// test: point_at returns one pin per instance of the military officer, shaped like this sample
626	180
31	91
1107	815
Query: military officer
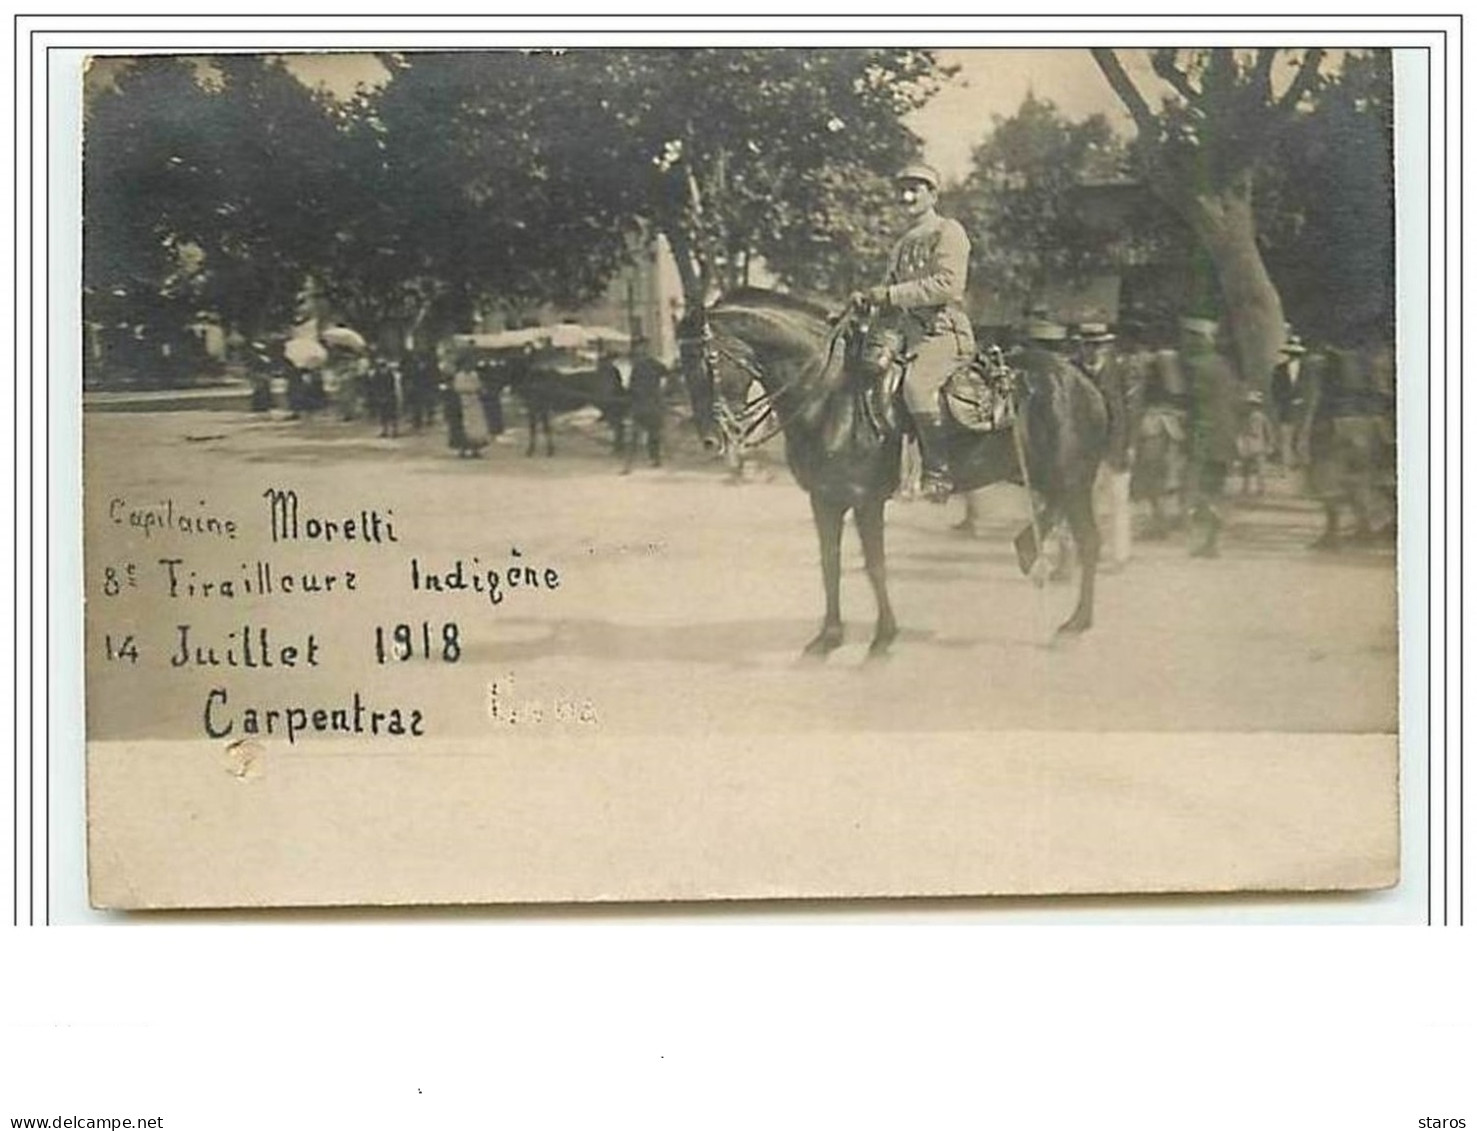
1215	402
925	291
1347	436
1159	443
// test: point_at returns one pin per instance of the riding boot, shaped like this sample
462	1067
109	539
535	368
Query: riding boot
937	487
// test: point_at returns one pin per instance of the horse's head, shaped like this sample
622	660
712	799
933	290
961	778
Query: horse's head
717	371
694	344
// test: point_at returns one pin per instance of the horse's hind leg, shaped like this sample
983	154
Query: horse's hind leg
828	518
1083	523
1027	550
870	525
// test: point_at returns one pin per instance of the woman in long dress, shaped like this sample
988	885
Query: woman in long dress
466	386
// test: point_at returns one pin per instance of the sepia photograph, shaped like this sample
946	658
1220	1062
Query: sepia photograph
608	474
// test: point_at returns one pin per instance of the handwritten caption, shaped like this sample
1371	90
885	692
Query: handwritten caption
175	564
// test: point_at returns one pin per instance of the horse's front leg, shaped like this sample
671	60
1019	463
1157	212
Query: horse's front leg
870	524
828	519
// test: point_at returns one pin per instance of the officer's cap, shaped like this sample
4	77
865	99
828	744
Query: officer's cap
1096	332
925	174
1293	346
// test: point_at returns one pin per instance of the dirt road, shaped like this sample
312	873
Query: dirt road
682	601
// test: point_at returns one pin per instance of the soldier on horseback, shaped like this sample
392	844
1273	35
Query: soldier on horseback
925	290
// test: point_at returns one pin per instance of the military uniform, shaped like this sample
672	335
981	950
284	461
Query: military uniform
924	292
1215	399
1159	441
925	284
1348	431
1215	410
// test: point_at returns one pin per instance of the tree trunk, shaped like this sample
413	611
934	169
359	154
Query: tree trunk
1226	227
689	270
413	332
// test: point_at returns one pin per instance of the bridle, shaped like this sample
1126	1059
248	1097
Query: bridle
755	421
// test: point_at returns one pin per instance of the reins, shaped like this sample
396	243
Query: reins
760	413
748	420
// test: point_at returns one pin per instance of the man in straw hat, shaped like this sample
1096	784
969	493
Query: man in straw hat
1215	402
1289	395
925	288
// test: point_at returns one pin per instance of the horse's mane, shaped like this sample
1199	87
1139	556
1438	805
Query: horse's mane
800	319
766	299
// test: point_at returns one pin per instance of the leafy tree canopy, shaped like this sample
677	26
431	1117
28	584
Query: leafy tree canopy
1020	200
208	183
757	152
1328	228
1204	151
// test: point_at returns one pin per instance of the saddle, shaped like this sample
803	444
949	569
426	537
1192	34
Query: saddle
981	396
875	360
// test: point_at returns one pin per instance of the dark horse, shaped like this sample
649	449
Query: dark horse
544	392
844	444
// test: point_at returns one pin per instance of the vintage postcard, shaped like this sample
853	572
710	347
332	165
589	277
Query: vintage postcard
623	474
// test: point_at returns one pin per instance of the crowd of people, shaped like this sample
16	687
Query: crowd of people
353	383
465	387
1187	433
1184	425
1183	421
